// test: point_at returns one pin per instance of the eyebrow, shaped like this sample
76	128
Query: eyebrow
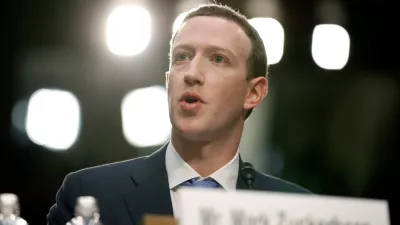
208	48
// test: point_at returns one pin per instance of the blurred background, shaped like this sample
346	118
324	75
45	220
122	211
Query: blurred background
86	87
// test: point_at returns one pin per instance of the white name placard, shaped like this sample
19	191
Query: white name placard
218	207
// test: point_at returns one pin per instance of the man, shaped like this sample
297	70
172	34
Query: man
217	76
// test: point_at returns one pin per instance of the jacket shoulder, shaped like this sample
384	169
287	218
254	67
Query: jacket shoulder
115	169
97	181
272	183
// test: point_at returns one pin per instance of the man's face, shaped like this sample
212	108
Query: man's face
207	84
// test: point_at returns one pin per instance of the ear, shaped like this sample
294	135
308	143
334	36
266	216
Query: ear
166	79
257	90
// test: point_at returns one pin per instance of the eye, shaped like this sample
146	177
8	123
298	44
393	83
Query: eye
219	59
180	57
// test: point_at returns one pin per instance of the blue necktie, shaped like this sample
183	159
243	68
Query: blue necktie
206	183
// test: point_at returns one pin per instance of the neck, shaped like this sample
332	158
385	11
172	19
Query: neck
207	156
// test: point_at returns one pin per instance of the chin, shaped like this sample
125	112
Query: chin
191	129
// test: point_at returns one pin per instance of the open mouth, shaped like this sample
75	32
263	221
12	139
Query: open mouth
191	100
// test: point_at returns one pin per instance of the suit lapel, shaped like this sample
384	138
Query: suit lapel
151	194
241	184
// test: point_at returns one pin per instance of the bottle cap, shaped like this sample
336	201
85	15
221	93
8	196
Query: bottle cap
9	204
86	206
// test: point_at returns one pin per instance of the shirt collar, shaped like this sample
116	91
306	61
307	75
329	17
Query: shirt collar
179	171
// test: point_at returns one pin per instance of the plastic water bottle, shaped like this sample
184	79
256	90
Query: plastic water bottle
9	210
86	212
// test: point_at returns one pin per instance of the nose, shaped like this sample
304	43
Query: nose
193	75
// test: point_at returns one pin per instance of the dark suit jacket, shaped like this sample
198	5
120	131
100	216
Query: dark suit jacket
128	190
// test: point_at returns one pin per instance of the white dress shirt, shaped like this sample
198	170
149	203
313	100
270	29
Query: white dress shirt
179	171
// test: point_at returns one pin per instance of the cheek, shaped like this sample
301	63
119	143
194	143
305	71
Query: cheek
231	94
170	90
172	83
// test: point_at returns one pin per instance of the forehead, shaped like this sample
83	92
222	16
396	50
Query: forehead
205	31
